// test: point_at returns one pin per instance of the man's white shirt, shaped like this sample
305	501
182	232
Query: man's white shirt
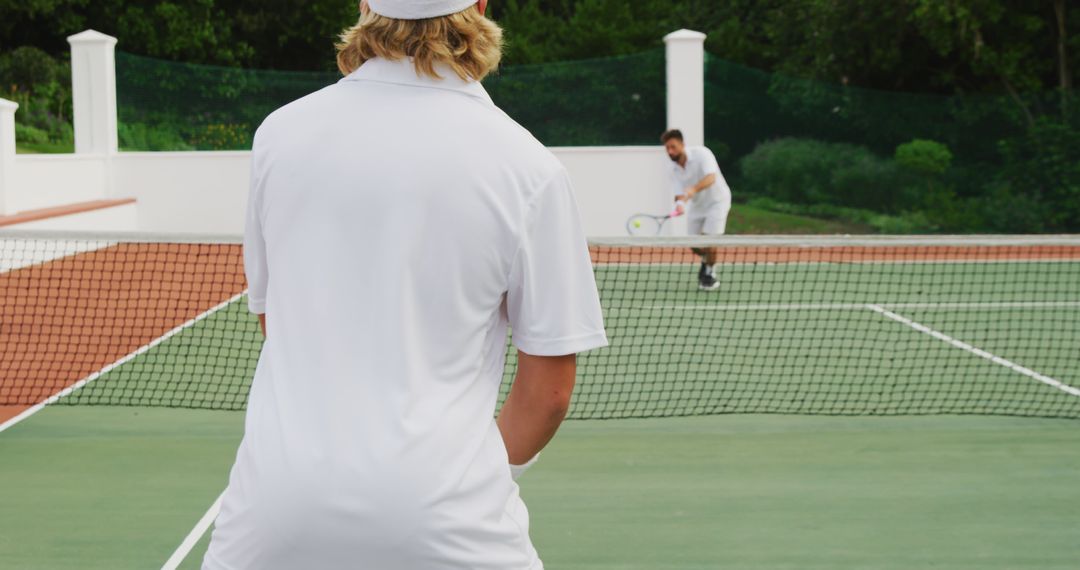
396	226
700	163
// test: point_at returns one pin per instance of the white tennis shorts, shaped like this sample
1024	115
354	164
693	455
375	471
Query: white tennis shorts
712	223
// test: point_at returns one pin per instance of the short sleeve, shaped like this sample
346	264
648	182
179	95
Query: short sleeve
255	246
552	301
708	162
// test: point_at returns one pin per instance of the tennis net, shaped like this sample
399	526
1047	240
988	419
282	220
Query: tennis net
826	325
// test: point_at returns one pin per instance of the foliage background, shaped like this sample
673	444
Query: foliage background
901	115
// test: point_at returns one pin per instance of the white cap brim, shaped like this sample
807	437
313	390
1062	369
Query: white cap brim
418	9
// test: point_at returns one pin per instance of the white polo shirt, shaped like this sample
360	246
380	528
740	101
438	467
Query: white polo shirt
700	163
396	226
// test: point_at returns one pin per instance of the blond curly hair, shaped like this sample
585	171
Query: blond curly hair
467	42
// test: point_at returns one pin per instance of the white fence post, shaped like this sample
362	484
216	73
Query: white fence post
686	84
7	151
93	92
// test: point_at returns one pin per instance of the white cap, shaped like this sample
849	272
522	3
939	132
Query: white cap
418	9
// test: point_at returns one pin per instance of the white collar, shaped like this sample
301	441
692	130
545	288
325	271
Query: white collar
402	72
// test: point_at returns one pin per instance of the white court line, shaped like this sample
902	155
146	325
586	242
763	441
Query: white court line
193	537
723	264
976	351
67	391
860	306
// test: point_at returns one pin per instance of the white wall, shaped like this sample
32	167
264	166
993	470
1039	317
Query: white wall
50	180
7	152
203	192
614	183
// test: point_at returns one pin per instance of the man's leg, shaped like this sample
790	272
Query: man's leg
713	224
694	227
705	263
697	227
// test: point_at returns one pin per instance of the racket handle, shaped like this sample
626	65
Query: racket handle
680	208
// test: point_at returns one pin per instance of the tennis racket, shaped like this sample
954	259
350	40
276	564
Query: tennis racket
649	224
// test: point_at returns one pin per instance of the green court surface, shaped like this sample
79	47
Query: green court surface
877	479
110	487
830	338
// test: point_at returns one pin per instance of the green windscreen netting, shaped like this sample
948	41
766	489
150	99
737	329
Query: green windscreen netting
896	162
745	106
876	161
175	106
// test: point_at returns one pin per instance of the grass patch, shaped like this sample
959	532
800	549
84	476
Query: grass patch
747	219
45	148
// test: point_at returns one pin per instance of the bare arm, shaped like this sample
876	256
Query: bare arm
537	404
262	323
701	185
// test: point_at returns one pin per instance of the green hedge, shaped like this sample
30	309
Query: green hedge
804	171
1035	188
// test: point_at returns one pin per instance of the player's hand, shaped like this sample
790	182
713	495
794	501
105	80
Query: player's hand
680	208
682	198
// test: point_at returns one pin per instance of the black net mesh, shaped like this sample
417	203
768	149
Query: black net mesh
828	326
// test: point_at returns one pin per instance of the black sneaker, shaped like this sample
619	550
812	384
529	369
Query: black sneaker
707	282
701	272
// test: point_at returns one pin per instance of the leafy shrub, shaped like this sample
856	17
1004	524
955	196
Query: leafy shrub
948	212
41	86
1044	165
29	134
804	171
1003	210
36	113
138	136
928	158
870	182
221	137
928	161
788	170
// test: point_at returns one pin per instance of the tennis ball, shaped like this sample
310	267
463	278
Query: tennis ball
637	224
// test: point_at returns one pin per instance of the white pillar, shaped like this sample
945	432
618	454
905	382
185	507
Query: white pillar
93	92
7	151
686	84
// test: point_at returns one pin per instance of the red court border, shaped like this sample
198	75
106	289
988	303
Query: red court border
63	320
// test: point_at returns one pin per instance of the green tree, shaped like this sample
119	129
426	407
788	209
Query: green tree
1044	165
42	87
991	43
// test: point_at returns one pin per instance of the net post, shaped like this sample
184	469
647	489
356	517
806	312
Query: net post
93	92
7	150
685	54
